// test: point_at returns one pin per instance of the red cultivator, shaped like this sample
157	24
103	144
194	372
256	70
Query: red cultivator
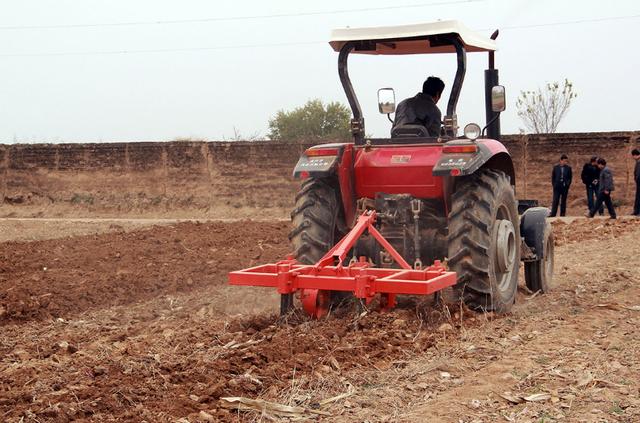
315	282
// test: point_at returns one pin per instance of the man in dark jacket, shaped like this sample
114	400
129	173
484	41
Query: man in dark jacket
561	181
590	175
605	188
422	109
636	177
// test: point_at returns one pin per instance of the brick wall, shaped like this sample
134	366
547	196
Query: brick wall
237	179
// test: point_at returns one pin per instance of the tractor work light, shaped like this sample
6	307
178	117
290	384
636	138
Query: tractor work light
460	149
472	131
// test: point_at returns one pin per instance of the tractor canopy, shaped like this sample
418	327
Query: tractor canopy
427	38
410	39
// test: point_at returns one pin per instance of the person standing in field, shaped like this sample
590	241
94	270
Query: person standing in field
636	177
561	181
590	175
605	188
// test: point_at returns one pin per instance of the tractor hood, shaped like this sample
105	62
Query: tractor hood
411	39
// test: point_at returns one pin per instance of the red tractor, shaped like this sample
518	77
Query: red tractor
371	213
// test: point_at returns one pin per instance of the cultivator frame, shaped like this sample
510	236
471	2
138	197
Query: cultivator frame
315	282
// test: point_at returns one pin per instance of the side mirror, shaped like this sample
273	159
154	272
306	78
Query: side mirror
498	98
386	100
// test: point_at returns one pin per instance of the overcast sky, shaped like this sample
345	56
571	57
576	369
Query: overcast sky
64	78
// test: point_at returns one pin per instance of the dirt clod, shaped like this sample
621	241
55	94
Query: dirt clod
98	371
206	417
445	327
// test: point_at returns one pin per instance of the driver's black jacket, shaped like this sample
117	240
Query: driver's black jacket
419	110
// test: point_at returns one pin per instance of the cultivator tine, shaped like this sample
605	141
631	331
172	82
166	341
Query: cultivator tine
360	306
286	304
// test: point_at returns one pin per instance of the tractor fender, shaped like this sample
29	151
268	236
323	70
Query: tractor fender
333	161
490	154
532	226
319	161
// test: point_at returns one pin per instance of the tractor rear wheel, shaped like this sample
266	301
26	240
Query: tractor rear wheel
538	274
316	228
484	240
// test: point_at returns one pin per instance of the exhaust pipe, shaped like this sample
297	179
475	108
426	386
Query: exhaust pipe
491	80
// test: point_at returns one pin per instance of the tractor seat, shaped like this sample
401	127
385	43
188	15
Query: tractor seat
409	131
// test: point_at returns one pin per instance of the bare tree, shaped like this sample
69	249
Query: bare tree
541	111
239	136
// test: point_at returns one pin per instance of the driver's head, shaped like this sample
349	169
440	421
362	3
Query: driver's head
433	86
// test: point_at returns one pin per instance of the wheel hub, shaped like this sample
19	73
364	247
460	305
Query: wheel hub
505	245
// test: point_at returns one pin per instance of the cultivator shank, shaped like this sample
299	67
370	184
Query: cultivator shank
315	282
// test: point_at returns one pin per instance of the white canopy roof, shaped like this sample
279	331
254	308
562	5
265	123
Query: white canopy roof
405	39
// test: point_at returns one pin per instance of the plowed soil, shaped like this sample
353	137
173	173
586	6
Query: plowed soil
141	326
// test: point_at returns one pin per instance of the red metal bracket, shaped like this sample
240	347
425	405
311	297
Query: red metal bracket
339	252
364	282
289	276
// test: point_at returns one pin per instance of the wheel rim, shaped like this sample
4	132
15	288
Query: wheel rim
504	238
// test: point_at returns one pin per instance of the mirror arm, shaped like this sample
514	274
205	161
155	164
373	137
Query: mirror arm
490	122
389	117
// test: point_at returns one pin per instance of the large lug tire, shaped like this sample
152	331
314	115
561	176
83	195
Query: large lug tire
314	220
539	274
315	229
484	240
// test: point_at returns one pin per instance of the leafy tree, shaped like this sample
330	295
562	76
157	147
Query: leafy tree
541	111
314	120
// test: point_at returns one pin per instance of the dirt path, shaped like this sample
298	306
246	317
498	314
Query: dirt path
141	326
34	229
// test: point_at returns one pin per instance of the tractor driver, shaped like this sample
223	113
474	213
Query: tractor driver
422	109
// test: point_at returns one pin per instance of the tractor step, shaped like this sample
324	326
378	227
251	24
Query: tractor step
315	282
